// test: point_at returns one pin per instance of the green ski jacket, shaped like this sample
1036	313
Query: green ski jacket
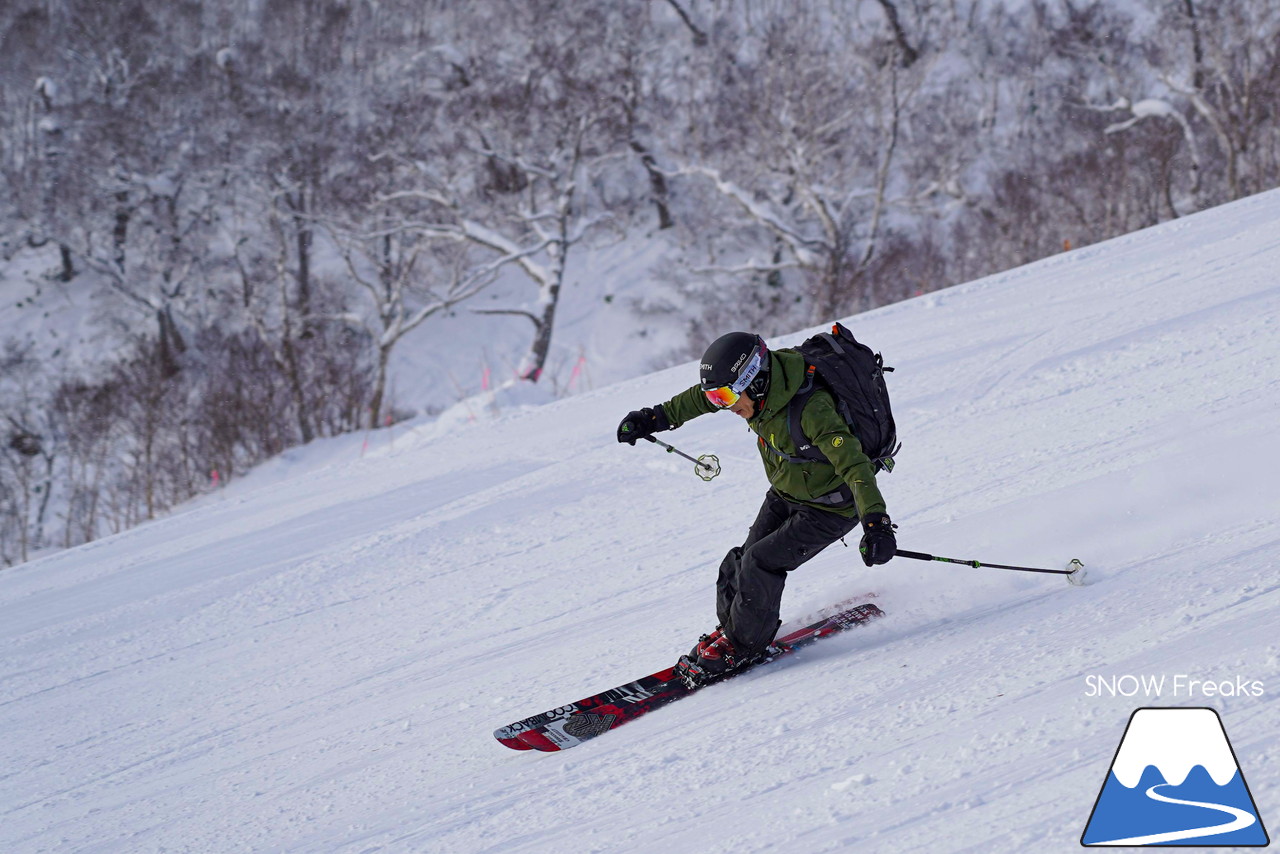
811	482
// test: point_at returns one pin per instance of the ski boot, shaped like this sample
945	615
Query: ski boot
711	659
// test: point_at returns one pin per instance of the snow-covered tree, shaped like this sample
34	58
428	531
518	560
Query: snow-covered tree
817	116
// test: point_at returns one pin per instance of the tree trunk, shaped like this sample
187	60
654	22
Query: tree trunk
120	230
379	386
536	359
172	344
657	183
1197	49
909	54
46	490
304	237
533	363
294	372
68	271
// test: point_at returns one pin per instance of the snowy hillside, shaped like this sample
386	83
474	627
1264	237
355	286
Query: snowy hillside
314	659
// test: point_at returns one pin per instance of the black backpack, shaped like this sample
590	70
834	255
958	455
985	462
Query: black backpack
855	377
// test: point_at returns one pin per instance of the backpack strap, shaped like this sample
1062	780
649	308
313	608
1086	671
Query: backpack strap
795	410
806	451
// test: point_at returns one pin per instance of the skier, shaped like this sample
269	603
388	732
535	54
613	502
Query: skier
810	503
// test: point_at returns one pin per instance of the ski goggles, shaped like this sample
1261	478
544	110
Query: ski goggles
727	395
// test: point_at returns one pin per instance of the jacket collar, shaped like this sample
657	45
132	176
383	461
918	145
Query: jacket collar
786	376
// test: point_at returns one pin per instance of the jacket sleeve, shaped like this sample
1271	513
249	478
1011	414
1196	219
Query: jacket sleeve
831	435
689	403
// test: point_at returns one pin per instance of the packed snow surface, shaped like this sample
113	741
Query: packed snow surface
313	659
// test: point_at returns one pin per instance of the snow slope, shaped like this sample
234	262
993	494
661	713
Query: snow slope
315	661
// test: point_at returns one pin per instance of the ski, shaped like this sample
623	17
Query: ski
568	726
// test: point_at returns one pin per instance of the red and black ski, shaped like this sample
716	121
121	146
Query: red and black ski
570	725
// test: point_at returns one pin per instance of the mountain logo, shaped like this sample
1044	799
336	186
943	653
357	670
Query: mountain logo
1175	781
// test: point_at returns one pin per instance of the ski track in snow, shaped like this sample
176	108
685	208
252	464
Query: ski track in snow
316	664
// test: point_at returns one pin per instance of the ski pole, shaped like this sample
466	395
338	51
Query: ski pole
1075	575
708	465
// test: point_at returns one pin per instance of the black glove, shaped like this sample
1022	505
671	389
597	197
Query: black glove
642	423
878	545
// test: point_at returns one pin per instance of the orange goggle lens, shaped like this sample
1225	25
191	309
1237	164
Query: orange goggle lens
723	397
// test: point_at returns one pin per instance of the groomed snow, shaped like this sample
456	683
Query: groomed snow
314	659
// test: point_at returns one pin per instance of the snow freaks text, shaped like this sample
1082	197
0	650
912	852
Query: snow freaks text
1178	685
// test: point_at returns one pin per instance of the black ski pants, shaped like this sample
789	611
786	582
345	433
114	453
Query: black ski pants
749	591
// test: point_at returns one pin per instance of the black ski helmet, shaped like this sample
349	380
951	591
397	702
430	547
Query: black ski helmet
739	360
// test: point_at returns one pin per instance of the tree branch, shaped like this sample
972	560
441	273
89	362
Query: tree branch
800	242
533	318
909	54
699	37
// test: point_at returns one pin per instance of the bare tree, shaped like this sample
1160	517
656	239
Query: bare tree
819	168
405	280
85	414
1240	85
28	456
315	359
535	236
554	114
539	237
